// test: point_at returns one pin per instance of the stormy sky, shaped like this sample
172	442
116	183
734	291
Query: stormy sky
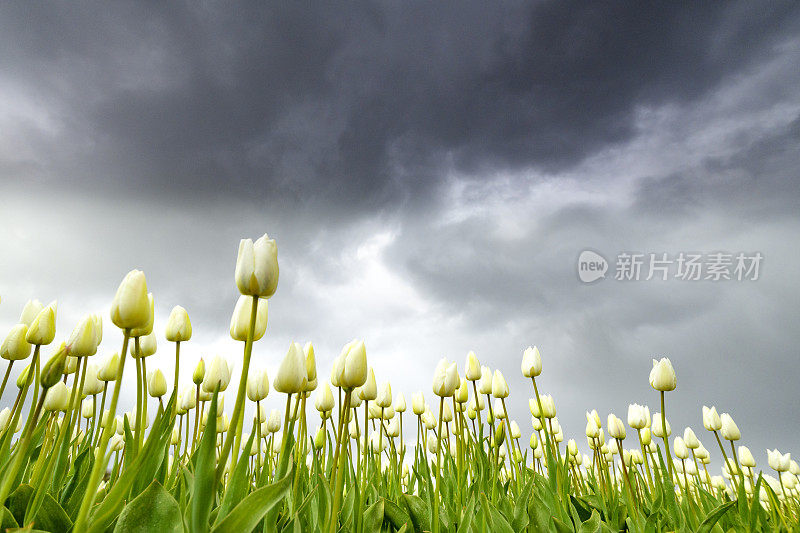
431	172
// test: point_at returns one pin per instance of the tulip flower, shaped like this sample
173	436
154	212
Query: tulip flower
156	383
291	377
472	368
354	367
179	327
531	362
257	385
324	401
638	416
615	427
445	379
42	330
257	267
240	320
218	373
30	311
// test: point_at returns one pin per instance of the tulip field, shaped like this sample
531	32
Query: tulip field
346	452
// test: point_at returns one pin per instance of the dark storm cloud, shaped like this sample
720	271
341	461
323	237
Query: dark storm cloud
364	103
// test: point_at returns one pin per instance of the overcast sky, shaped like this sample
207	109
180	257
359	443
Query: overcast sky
431	172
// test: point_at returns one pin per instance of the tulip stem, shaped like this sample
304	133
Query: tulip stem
338	459
234	434
5	378
175	381
10	476
664	437
102	409
438	468
100	459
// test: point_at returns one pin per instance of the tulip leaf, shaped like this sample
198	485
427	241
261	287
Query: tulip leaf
152	510
708	523
105	513
238	485
249	512
51	517
7	520
373	516
203	491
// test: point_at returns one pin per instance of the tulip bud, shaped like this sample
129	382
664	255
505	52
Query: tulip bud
53	369
730	431
147	345
22	379
472	367
418	403
29	312
485	384
662	376
354	371
531	362
778	462
549	406
657	428
274	421
156	383
324	401
384	398
690	439
5	419
534	441
147	327
462	393
615	427
711	420
638	416
131	306
292	377
679	446
15	347
257	267
179	327
746	457
445	379
110	369
400	403
42	330
499	385
83	340
199	372
218	372
92	385
57	398
499	433
369	391
257	385
311	367
240	320
319	439
645	436
87	408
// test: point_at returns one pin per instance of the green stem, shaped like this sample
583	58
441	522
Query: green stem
665	438
100	459
234	430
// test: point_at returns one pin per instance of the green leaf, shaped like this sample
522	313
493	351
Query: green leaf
152	510
7	519
396	515
105	513
714	516
592	525
250	511
51	517
203	491
418	511
239	484
373	517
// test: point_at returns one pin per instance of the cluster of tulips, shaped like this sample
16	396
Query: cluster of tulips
69	464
